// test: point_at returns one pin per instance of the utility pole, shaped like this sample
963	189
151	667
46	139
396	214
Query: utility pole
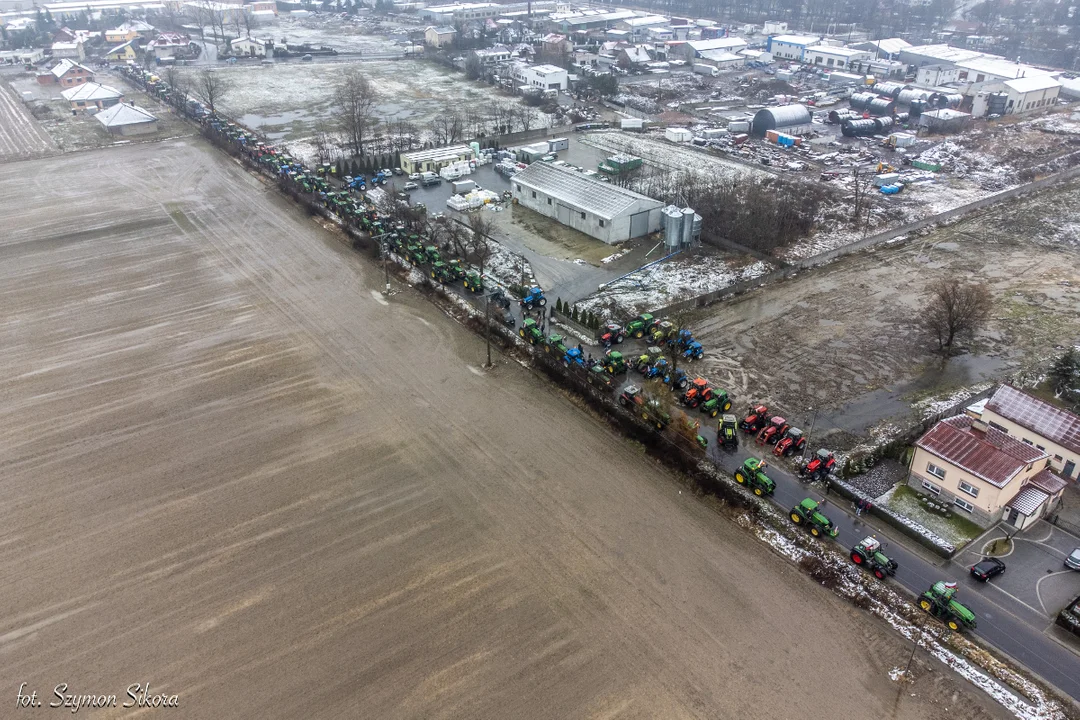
809	435
487	328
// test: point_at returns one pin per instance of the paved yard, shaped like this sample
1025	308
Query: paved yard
1035	572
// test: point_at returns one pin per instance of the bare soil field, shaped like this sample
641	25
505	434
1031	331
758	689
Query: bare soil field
234	471
20	135
842	338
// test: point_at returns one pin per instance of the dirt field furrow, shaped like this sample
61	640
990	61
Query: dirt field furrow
235	471
20	135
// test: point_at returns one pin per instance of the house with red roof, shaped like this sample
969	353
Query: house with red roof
985	473
1037	423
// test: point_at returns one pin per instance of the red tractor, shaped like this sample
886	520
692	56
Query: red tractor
772	432
699	391
755	420
819	466
793	442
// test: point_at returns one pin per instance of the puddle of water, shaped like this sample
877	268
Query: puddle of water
254	120
870	408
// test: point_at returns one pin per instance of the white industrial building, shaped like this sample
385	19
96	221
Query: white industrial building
542	77
790	47
835	57
435	159
600	210
693	49
1030	93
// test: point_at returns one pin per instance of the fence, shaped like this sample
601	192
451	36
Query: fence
868	242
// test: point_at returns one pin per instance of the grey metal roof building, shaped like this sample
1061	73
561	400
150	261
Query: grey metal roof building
785	118
605	212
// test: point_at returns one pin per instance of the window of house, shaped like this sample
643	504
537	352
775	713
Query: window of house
549	201
518	187
1040	447
534	193
1026	441
927	485
1058	458
582	216
935	470
998	427
980	77
601	223
969	489
962	75
963	505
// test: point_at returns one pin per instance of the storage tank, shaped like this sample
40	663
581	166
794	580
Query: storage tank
940	101
687	227
784	117
882	106
907	95
838	116
857	128
861	101
916	108
884	124
672	227
888	89
901	118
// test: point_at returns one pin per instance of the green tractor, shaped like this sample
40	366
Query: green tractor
455	269
432	254
474	282
806	514
531	332
752	474
727	432
554	345
640	325
867	553
441	271
939	602
614	363
719	402
599	377
653	412
416	254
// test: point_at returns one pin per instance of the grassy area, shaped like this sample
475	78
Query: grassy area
958	530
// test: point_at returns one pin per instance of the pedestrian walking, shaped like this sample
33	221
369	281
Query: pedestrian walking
859	507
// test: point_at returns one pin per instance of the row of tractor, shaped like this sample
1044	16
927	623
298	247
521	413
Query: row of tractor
660	334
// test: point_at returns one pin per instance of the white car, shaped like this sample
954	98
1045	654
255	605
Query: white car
411	186
1073	561
414	176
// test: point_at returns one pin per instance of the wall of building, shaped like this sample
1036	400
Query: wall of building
1059	456
1026	102
615	230
786	51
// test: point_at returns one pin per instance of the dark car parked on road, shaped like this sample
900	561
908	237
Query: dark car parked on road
987	568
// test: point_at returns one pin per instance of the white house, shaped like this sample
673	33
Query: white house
252	47
790	47
69	50
93	96
542	77
1035	423
835	57
440	36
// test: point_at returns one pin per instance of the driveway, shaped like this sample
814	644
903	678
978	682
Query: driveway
1036	575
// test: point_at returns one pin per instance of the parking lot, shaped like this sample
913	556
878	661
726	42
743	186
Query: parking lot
1035	572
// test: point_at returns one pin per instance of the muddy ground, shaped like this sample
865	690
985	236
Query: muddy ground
843	338
234	471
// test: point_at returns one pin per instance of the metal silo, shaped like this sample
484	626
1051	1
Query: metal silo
908	95
882	106
857	128
861	101
672	227
883	124
888	89
687	227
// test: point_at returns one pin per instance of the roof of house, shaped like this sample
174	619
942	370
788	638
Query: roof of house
257	41
443	30
839	51
122	114
1048	482
943	53
62	68
91	91
796	39
66	45
990	455
120	47
580	191
1000	67
723	43
1028	500
720	56
1032	84
1056	425
890	46
554	38
637	54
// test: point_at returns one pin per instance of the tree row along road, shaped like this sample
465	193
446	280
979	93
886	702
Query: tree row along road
233	470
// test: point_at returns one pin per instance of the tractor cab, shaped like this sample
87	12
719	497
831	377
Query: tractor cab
662	332
752	474
555	344
726	431
440	272
654	412
630	396
640	325
694	351
772	432
867	553
820	465
657	370
474	282
534	298
682	339
717	403
432	253
600	377
530	331
649	358
940	602
807	514
455	269
572	357
612	334
679	381
614	362
699	391
793	441
755	420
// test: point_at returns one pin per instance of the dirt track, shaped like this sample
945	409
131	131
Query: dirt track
232	470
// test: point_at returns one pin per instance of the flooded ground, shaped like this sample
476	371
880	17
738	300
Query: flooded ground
844	338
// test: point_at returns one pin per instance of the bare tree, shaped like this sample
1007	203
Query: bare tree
325	147
955	309
355	99
860	190
211	87
526	116
178	85
479	245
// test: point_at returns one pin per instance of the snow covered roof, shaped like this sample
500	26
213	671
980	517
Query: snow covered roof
1000	67
91	91
991	454
891	46
1028	500
64	66
122	114
443	30
120	47
838	51
646	21
1032	84
944	53
720	56
725	43
637	54
67	46
1048	482
581	191
796	39
1056	425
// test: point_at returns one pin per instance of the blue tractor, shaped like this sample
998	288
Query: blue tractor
356	183
573	357
657	369
378	178
694	351
534	298
679	381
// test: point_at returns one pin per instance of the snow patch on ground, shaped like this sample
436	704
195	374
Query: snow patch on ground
932	406
664	155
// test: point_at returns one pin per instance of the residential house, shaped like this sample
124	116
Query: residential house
542	77
440	36
168	44
252	47
26	56
1039	424
69	50
121	53
984	473
92	96
555	46
66	73
491	55
632	57
790	47
122	34
122	119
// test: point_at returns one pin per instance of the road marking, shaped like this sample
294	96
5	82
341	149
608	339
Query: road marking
378	297
1029	607
1038	593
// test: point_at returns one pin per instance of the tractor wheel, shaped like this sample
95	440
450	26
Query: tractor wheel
521	333
925	605
713	413
638	334
953	625
542	302
622	401
727	406
619	339
758	491
815	532
739	477
659	426
856	558
796	518
466	284
879	574
432	274
528	306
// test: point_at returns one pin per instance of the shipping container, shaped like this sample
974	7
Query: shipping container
557	144
461	187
